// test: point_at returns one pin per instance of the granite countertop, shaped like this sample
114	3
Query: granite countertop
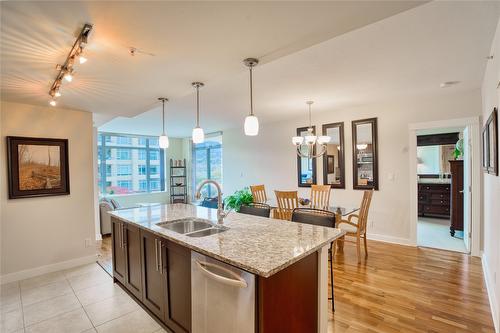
258	245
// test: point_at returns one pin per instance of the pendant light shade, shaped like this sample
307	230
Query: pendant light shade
251	126
163	139
198	134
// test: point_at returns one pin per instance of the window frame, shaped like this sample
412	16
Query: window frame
207	149
106	146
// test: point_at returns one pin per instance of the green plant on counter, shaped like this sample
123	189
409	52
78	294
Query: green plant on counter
238	198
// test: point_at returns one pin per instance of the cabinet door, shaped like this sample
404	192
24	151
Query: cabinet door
132	240
177	263
153	278
119	263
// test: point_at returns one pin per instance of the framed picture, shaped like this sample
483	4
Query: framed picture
37	167
490	144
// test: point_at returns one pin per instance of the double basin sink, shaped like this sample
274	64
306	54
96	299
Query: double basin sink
193	227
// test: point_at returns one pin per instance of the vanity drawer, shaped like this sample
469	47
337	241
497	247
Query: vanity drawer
436	209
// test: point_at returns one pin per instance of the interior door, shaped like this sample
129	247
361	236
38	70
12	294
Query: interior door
119	263
132	240
467	188
152	274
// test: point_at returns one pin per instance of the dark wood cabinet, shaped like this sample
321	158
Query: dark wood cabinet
119	262
434	200
178	305
127	256
166	277
457	196
153	275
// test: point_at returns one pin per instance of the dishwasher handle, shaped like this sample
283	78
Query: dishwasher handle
236	282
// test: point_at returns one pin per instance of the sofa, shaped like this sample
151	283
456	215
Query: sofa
105	206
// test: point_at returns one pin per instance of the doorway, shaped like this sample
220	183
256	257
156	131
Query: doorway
444	185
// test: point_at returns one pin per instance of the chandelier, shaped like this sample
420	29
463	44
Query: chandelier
305	145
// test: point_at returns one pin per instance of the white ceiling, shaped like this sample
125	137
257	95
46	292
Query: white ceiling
337	53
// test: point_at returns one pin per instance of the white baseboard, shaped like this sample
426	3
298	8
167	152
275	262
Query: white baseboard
390	239
490	288
28	273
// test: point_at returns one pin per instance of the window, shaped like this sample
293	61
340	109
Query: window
125	184
207	164
123	154
154	169
154	155
124	140
139	167
124	170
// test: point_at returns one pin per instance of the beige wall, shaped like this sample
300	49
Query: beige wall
270	157
47	233
491	188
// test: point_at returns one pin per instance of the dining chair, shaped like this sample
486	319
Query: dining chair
287	202
320	196
257	209
258	193
357	228
322	218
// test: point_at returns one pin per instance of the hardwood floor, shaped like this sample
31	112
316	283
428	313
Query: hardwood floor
408	289
104	254
400	289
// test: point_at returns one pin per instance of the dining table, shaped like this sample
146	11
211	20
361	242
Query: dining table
339	211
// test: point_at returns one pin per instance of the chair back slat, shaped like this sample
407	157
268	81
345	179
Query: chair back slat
363	211
287	202
320	196
258	193
256	209
313	216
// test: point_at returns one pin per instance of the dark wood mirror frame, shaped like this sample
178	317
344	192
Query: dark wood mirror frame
375	184
299	166
325	128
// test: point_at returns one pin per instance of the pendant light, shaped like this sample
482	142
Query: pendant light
198	134
251	121
163	139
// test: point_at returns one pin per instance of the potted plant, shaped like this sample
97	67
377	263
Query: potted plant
238	198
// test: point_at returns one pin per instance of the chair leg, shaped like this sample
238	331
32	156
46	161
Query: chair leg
340	244
366	248
358	248
333	248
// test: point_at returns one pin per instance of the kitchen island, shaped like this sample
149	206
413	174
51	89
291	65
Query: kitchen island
276	271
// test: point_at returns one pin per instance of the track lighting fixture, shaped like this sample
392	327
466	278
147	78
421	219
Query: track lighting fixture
65	71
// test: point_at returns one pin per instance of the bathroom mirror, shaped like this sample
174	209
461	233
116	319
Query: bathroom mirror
365	154
333	159
306	167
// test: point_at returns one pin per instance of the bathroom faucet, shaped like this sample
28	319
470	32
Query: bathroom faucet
221	214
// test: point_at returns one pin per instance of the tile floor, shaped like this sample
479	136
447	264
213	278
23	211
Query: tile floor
82	299
435	233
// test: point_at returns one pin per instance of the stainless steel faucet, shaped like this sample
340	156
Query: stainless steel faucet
221	214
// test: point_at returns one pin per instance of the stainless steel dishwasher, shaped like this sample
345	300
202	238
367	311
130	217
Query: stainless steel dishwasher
223	297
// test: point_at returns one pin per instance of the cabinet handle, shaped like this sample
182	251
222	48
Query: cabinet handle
161	259
156	253
124	234
120	238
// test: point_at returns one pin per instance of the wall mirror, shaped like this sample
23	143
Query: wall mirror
333	159
306	167
365	154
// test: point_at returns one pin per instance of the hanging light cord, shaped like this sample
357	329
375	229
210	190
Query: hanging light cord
251	91
163	117
310	122
197	106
